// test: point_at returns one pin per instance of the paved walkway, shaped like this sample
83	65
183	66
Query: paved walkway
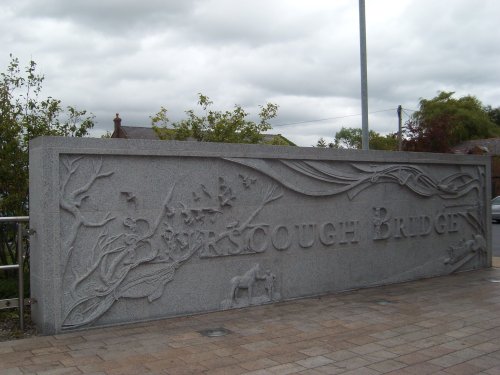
446	325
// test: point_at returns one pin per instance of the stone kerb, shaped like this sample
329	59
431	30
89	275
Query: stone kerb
133	230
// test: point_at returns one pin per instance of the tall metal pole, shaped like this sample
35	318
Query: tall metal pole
20	270
364	76
400	128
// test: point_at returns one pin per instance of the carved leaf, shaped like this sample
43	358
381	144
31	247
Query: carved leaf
146	282
87	310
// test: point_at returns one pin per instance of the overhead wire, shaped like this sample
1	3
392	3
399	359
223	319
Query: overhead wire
406	113
330	118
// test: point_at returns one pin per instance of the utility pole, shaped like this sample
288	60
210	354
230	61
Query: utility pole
400	128
364	76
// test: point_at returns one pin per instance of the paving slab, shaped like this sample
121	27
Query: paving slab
444	325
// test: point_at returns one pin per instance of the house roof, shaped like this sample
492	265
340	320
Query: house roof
137	132
492	145
269	138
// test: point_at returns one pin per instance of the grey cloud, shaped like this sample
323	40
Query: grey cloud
133	57
256	23
111	16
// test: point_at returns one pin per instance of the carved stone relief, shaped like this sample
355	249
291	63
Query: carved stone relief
254	287
140	259
133	255
464	251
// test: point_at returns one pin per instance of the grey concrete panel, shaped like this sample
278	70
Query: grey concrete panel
134	230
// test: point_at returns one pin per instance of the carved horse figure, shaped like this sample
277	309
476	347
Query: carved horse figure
246	281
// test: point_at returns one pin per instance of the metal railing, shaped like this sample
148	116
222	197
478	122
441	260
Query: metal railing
16	302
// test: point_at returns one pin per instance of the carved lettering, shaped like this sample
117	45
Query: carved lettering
223	215
381	224
399	228
306	236
234	237
327	234
280	238
426	226
385	227
446	223
257	238
349	231
412	226
209	248
440	223
453	223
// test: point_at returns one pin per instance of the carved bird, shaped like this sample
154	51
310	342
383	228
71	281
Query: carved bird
226	194
129	196
225	199
170	211
205	190
247	180
233	224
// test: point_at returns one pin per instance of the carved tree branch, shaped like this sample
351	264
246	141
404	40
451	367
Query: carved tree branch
96	175
269	196
107	274
70	202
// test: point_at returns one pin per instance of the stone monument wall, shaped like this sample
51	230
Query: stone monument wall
133	230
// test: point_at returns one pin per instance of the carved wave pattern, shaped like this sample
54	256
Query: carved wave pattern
300	176
335	181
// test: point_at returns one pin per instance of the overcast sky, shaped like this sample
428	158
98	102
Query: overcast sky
132	57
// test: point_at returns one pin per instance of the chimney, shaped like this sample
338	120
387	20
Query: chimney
118	123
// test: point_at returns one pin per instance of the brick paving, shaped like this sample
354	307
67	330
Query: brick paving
446	325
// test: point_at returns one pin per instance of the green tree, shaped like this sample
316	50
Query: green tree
493	114
106	135
321	143
278	140
24	115
215	126
351	138
348	138
443	122
388	142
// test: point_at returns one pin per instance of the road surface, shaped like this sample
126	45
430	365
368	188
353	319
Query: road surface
495	239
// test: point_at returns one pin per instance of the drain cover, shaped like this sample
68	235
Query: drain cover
383	302
214	332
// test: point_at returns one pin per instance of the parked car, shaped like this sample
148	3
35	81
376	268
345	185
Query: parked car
495	209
